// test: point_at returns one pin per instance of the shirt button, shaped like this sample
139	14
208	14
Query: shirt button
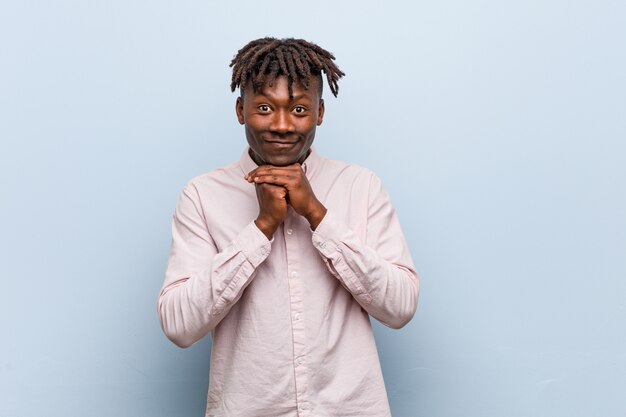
322	245
294	274
289	231
300	360
302	407
297	316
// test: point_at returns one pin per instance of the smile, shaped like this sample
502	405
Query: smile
281	144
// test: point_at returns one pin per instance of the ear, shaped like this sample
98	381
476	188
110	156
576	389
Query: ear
239	110
320	112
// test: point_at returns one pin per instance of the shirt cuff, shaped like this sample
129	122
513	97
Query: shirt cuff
328	238
327	234
253	244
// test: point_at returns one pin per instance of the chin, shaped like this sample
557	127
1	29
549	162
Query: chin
278	159
281	161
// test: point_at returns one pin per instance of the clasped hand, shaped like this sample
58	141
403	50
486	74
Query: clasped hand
278	187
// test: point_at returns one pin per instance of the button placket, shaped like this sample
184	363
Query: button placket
296	305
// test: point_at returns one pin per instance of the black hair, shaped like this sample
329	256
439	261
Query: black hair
263	60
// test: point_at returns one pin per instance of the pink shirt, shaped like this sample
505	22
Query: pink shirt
289	318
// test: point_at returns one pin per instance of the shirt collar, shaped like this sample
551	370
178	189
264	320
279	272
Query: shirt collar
310	164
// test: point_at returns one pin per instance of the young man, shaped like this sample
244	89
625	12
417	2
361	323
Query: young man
284	255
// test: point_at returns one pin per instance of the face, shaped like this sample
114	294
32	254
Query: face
280	130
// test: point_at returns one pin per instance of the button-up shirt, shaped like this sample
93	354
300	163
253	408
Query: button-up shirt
289	317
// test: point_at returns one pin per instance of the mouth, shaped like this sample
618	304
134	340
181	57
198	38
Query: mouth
280	144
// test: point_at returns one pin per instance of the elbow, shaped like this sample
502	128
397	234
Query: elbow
398	324
179	340
179	328
403	313
400	320
180	336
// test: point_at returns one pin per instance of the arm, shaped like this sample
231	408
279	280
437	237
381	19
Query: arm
201	285
379	272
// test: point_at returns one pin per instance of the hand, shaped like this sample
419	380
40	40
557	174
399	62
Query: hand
299	193
272	207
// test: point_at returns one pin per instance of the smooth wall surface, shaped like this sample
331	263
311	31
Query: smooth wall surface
498	127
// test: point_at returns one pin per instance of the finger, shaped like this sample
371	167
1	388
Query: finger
281	180
276	177
260	169
268	186
270	169
272	189
250	175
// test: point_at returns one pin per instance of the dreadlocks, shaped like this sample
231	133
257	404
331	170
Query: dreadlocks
263	60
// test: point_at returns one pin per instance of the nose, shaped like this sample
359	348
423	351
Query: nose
281	122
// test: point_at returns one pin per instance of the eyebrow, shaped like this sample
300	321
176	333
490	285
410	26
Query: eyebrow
295	98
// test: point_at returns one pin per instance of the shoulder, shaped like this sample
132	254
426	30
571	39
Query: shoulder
216	179
348	171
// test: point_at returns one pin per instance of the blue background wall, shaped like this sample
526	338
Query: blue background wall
498	127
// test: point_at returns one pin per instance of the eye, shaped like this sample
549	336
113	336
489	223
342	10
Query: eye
299	110
264	108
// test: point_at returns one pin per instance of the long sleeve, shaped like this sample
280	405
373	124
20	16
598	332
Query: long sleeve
378	272
201	284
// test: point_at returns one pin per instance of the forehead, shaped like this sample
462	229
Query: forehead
280	89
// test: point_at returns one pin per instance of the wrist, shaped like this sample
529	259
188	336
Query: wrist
316	216
266	227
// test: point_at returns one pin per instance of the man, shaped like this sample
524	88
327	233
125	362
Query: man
283	255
